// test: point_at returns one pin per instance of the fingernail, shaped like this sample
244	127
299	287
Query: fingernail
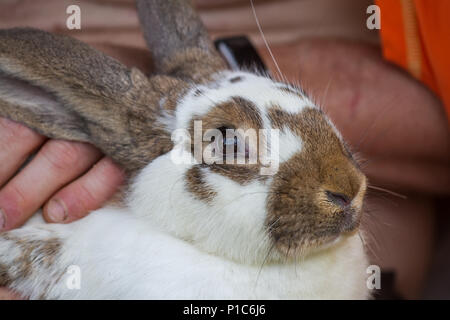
56	210
2	219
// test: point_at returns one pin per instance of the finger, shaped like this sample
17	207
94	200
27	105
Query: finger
56	164
85	194
17	142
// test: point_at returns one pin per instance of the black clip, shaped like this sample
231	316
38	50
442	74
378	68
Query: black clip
239	53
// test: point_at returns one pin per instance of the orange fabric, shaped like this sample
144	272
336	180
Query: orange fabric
415	35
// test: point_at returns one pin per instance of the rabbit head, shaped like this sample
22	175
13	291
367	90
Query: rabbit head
307	197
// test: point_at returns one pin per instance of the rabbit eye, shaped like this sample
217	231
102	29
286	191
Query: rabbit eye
233	146
229	144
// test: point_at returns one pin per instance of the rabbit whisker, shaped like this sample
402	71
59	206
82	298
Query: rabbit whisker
388	191
264	262
265	41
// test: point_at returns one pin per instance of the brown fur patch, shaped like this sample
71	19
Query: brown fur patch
299	212
34	254
196	185
237	113
5	279
95	98
194	65
240	173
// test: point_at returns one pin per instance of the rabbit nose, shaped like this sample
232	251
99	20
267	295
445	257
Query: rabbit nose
338	199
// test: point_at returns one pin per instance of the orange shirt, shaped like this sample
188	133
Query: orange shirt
415	35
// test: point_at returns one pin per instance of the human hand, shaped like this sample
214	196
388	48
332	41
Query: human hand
67	179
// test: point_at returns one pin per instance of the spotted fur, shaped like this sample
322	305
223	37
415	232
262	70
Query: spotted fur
190	229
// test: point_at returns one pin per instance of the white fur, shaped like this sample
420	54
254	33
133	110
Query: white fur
167	244
290	144
262	91
232	226
161	266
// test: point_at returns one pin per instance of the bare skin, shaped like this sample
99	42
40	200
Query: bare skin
67	179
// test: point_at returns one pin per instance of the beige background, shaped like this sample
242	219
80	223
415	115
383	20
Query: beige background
110	24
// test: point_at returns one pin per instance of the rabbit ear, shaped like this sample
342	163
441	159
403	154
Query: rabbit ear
64	89
178	40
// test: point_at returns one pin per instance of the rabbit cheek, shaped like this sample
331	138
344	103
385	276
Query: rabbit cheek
300	216
317	194
294	221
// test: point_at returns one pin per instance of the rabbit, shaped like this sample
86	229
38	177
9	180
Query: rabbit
185	229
